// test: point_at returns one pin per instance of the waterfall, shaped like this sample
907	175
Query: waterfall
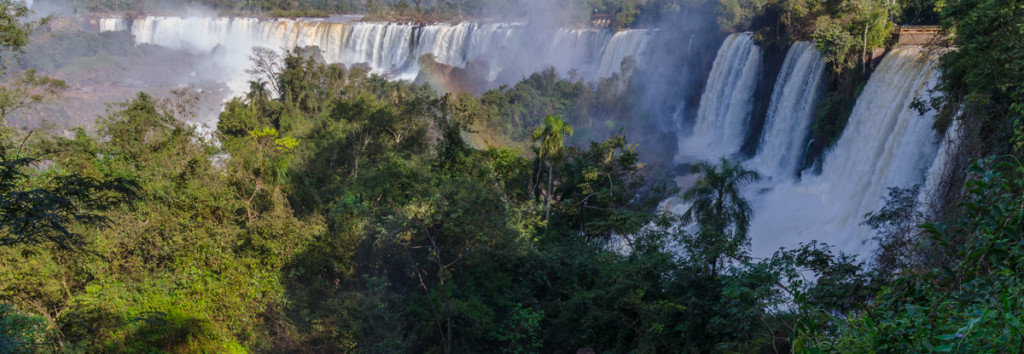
727	100
393	49
791	111
577	48
939	170
623	44
113	24
385	47
886	143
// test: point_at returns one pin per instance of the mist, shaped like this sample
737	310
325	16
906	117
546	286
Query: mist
103	68
673	55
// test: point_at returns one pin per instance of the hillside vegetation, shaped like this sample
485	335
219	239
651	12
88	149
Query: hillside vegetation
335	211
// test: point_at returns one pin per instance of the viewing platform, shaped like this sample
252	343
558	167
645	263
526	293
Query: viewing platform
915	35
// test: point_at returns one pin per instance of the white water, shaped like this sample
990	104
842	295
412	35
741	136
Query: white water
622	45
727	100
393	49
939	170
384	46
791	112
885	144
111	24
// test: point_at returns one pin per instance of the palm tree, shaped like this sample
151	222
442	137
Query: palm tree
551	137
720	210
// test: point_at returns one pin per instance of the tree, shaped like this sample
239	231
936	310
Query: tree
603	191
897	232
551	148
871	17
257	176
37	209
13	30
722	213
851	29
266	65
42	210
25	89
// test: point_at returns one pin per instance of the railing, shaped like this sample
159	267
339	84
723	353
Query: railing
907	29
915	34
601	20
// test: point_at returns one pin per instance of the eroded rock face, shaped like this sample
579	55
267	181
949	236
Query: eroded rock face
74	23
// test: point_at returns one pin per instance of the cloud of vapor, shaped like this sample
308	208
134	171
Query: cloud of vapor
672	60
108	67
668	85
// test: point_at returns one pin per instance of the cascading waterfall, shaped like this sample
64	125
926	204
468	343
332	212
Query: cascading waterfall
623	44
727	100
791	111
384	46
583	46
112	24
457	45
886	143
931	189
393	48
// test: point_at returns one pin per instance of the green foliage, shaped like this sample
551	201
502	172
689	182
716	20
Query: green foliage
521	333
551	138
737	15
21	333
40	209
981	79
186	269
830	117
349	214
896	225
603	191
520	108
834	43
722	214
27	88
970	301
14	29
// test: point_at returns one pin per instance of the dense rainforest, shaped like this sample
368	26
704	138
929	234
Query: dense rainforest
331	210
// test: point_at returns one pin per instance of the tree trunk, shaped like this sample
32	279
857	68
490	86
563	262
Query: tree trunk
536	179
864	51
547	205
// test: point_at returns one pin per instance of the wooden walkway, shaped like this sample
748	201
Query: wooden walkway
601	20
915	35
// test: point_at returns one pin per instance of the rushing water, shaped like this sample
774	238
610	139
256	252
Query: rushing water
394	49
788	122
886	143
727	100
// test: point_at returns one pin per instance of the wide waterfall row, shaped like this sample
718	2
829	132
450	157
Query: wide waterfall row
394	48
886	143
727	100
